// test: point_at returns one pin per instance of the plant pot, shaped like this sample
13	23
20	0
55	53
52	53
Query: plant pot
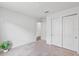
5	50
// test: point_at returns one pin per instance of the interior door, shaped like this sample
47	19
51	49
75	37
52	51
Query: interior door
57	31
70	32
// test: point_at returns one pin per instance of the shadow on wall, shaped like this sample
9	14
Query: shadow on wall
17	34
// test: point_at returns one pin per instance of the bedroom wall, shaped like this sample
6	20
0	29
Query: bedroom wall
17	27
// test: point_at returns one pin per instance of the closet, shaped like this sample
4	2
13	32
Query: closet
62	30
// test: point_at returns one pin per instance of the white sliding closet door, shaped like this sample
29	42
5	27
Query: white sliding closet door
48	30
57	31
70	32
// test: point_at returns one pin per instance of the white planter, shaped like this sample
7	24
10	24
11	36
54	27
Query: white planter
5	50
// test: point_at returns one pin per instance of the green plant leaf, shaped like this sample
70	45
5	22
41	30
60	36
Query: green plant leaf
5	45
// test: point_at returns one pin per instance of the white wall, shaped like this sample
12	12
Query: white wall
49	30
16	27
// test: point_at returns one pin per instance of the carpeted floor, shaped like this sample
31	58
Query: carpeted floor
39	48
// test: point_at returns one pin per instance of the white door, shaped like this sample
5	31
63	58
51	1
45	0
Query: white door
57	31
70	32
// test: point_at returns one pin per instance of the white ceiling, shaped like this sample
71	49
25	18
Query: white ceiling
36	9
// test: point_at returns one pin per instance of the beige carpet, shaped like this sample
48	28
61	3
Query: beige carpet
39	48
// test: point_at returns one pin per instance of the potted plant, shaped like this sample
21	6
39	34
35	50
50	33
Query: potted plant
5	46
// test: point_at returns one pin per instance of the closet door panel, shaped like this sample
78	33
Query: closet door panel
57	31
70	32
